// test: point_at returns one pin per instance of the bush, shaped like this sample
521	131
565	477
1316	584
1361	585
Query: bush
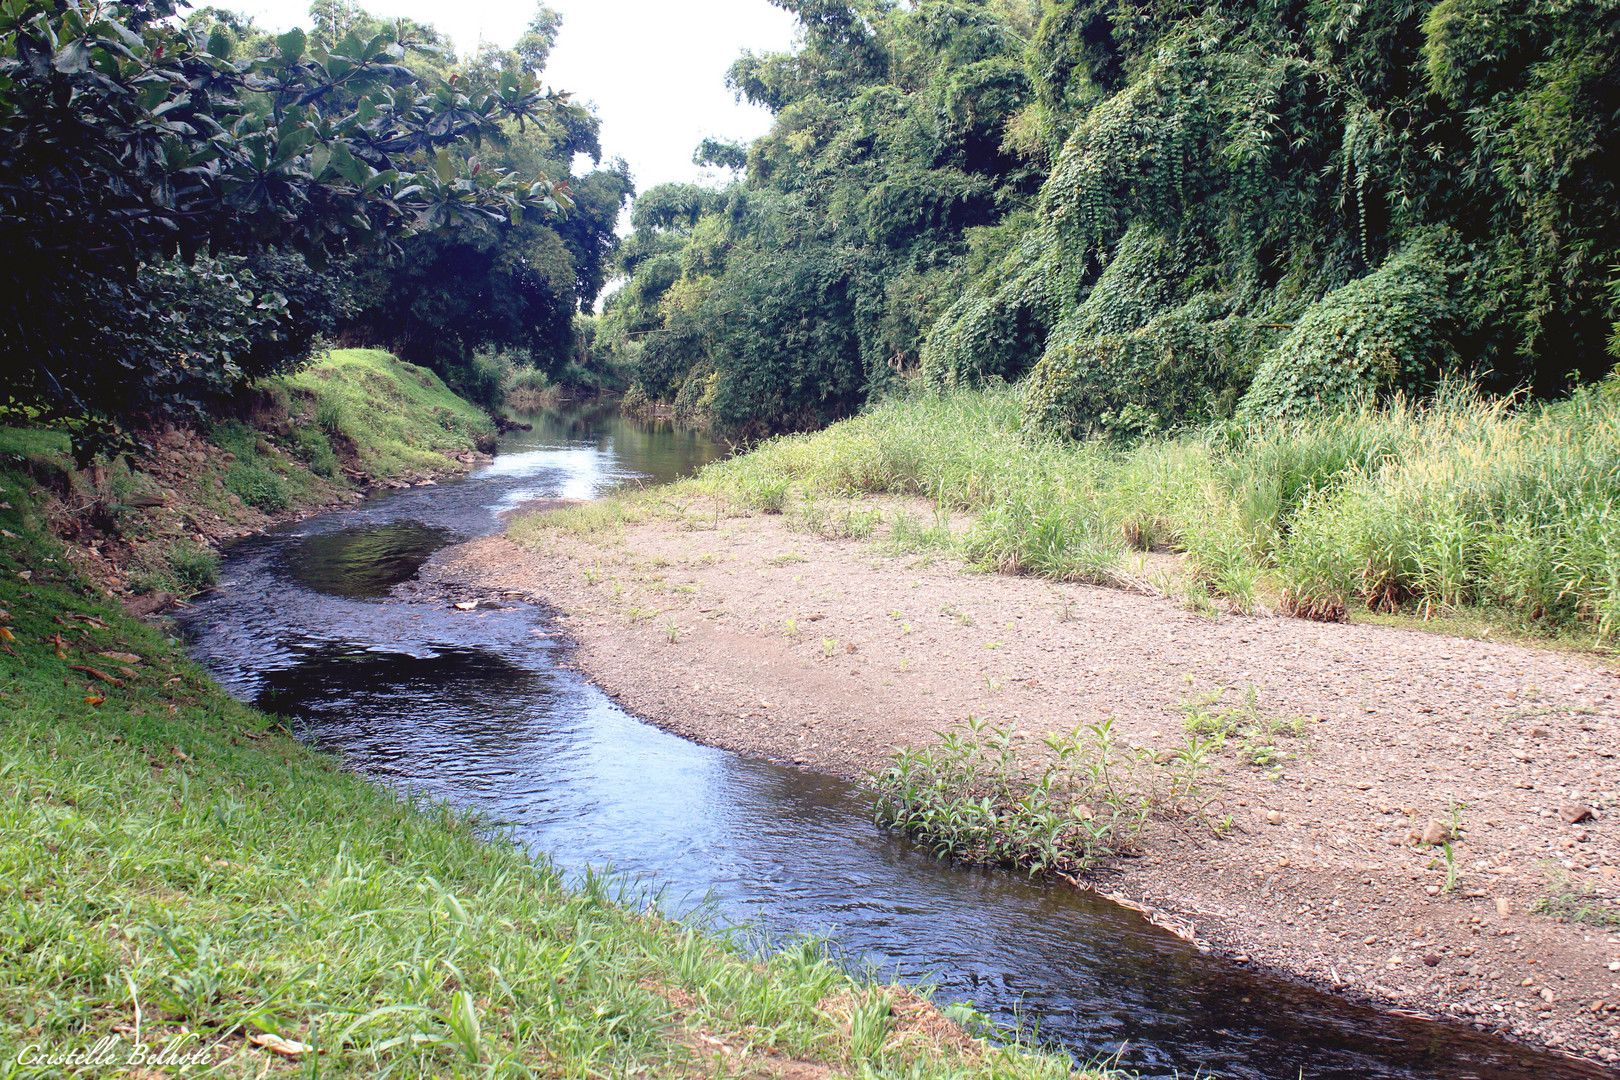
998	326
1384	333
526	389
258	486
481	380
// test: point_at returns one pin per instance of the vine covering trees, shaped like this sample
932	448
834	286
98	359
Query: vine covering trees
1153	211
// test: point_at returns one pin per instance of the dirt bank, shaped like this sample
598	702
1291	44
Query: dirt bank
828	654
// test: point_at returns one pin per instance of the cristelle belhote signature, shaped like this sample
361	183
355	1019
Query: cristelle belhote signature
113	1050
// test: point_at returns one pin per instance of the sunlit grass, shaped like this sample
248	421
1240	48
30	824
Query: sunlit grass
1430	509
172	862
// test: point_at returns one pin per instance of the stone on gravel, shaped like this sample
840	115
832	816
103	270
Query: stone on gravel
1435	832
1274	817
149	604
1573	812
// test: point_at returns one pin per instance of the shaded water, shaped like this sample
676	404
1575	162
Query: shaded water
476	707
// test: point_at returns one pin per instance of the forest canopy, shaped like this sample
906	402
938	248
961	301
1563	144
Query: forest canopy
1152	212
188	205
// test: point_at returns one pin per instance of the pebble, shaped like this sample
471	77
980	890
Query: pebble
1503	908
1274	817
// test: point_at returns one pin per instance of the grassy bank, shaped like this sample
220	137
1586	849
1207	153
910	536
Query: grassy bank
311	439
1455	508
174	864
393	417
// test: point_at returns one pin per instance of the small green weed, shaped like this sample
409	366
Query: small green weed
1257	734
1569	902
1083	797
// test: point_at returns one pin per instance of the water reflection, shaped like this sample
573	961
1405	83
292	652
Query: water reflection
477	707
364	560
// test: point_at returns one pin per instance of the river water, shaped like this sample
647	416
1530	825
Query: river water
477	708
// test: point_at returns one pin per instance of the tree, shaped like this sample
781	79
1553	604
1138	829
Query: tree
127	142
807	286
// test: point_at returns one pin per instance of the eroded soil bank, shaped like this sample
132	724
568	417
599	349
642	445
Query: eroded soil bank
828	654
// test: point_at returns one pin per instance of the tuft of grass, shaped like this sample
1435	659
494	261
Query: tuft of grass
177	866
602	515
259	487
1082	797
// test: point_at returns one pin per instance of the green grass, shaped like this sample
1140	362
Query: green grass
1059	807
170	860
1434	510
397	416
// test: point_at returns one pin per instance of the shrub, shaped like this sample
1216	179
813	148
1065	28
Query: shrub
258	486
972	798
1384	333
194	567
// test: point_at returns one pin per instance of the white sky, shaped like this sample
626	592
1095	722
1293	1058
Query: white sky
655	69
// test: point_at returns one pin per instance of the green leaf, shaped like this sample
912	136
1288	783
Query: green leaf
220	43
292	45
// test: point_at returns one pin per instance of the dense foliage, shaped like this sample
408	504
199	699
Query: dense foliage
789	298
1157	211
1306	202
148	177
517	286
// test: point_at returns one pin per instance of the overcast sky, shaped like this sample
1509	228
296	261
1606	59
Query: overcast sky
655	69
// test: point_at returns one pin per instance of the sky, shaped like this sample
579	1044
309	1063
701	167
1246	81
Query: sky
654	69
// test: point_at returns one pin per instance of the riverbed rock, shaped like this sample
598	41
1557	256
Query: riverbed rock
149	603
1574	812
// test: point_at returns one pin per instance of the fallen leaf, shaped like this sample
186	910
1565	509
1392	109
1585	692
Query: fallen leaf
94	699
7	635
122	657
269	1040
61	646
96	673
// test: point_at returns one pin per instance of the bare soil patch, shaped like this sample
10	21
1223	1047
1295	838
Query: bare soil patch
827	654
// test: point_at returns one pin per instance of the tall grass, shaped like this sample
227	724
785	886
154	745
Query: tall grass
1425	507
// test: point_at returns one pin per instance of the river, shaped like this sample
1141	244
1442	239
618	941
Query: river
479	709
